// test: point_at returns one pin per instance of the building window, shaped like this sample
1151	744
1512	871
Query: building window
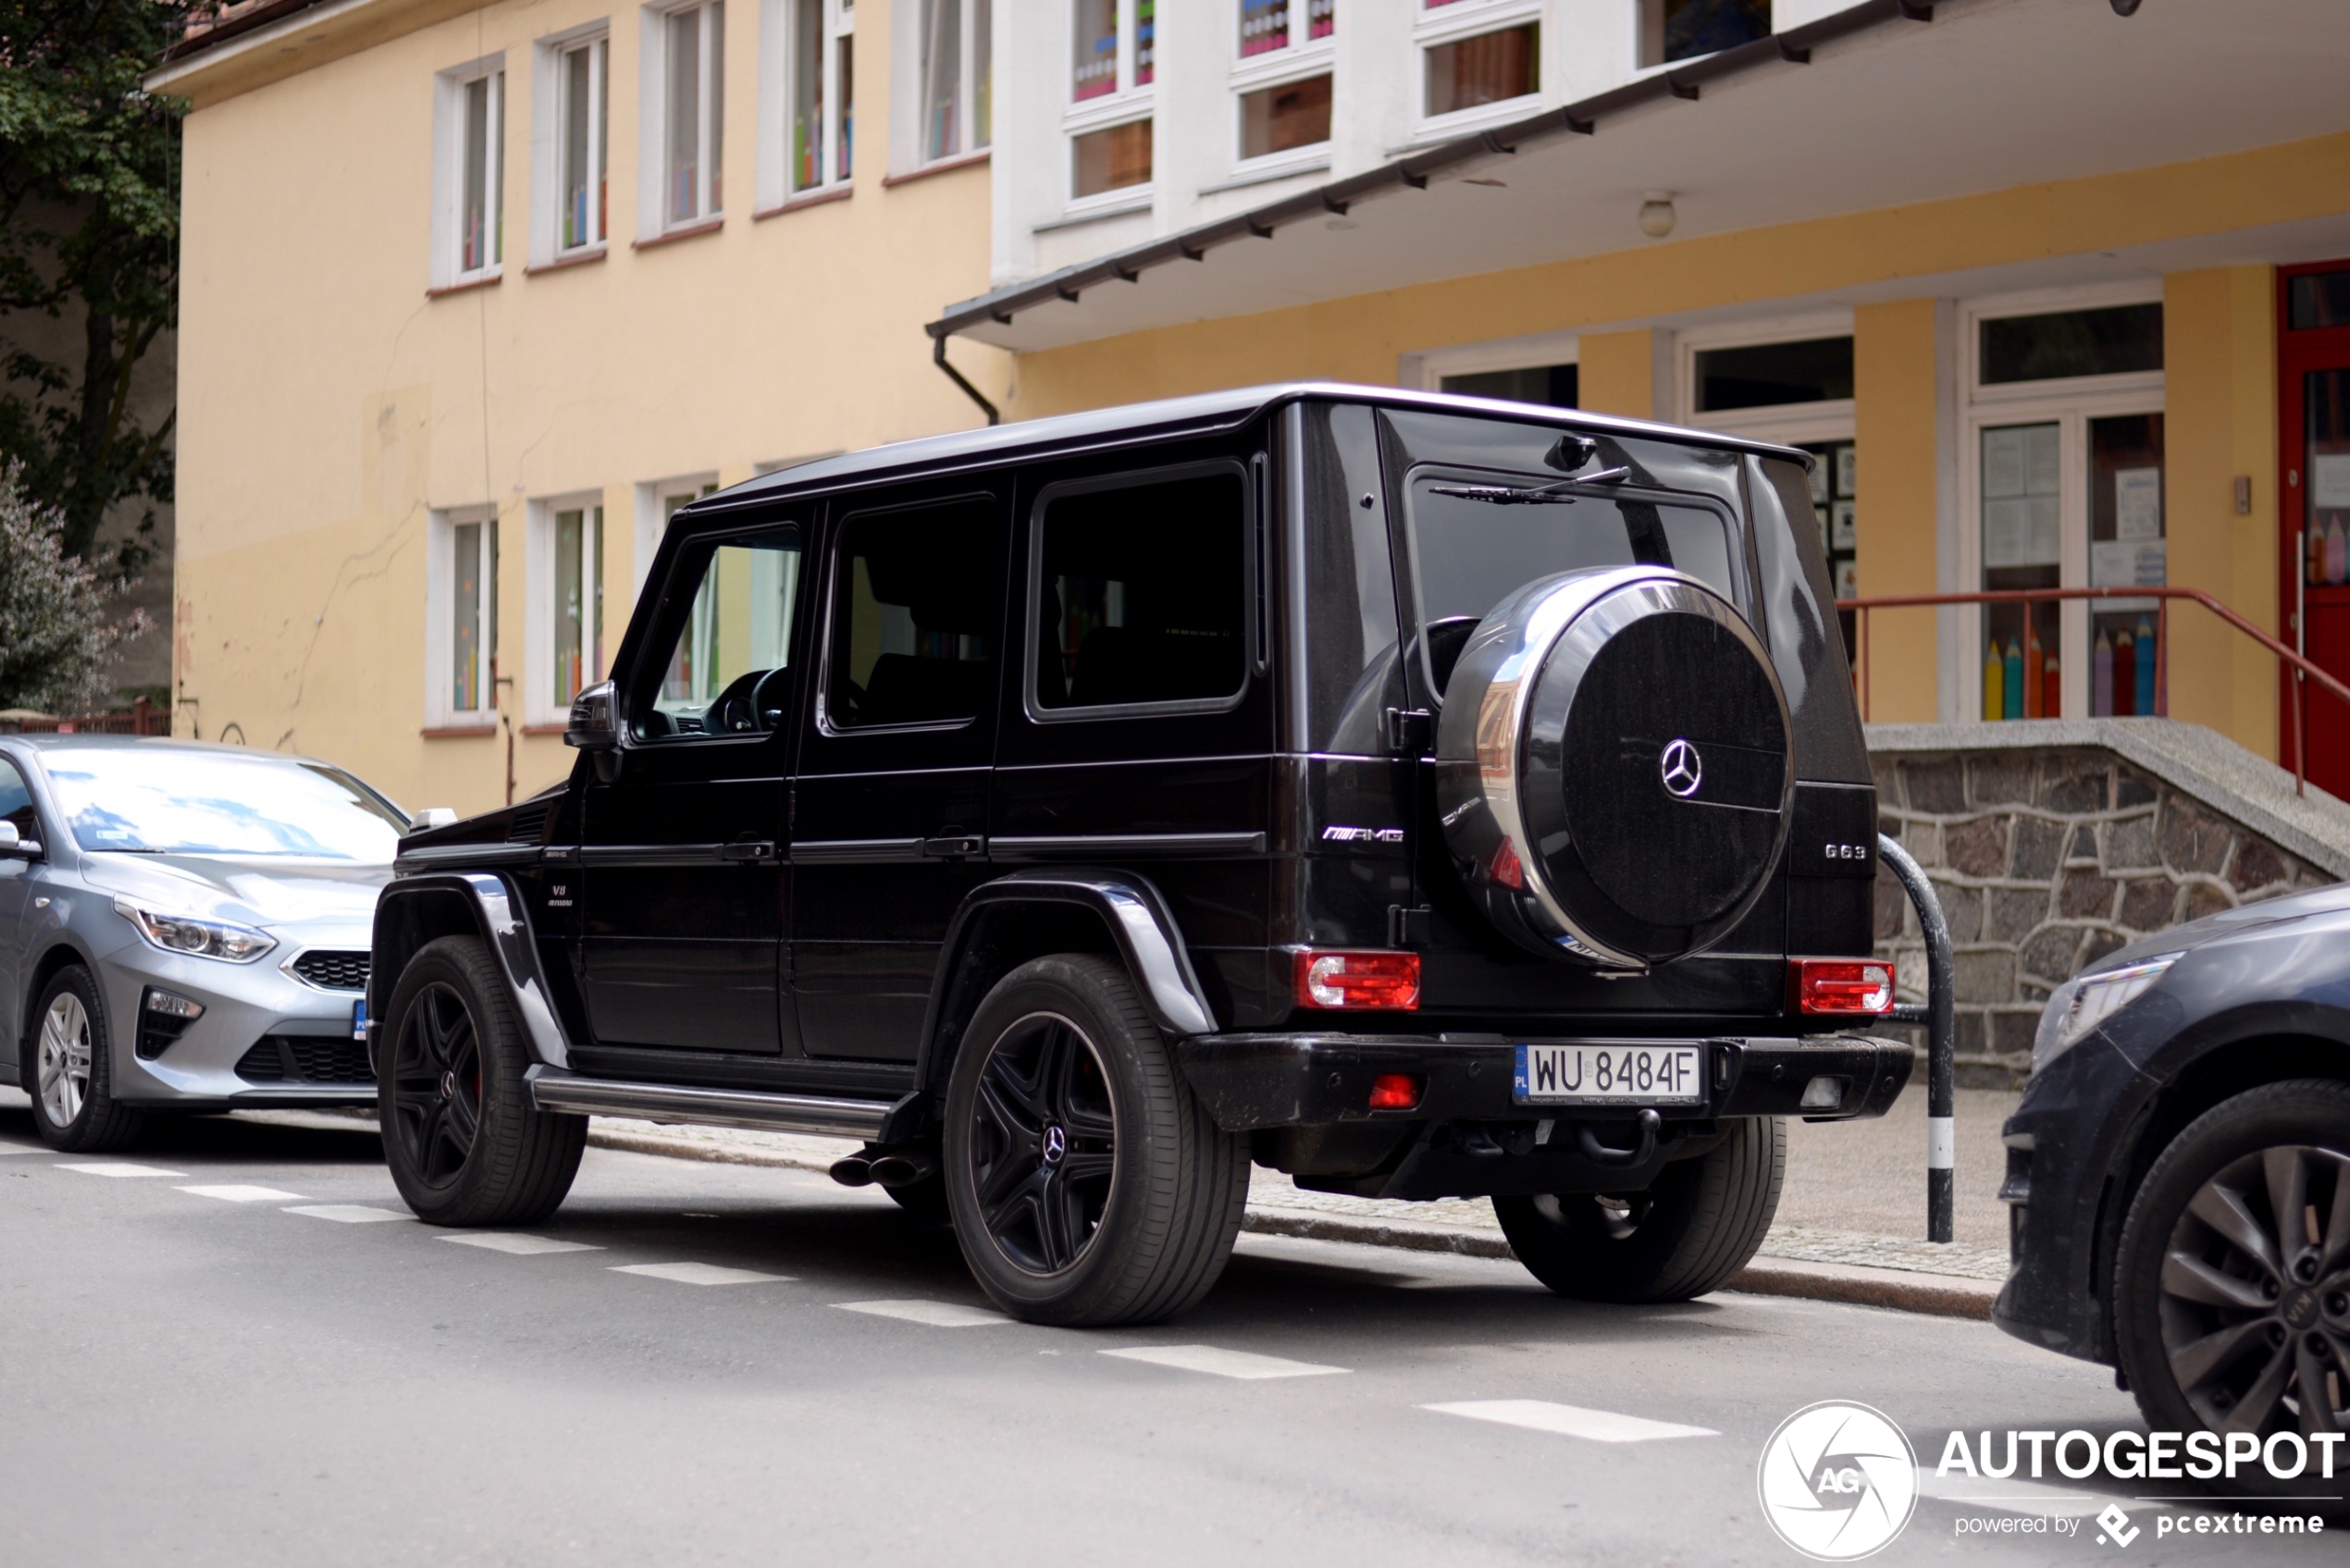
1285	117
1682	30
2059	345
690	123
462	616
957	71
471	136
824	93
1772	375
583	110
1486	68
1556	386
567	613
1113	159
1114	47
1271	25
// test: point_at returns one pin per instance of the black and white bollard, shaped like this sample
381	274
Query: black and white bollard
1941	1043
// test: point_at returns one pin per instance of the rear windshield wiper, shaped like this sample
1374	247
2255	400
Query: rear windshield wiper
1560	494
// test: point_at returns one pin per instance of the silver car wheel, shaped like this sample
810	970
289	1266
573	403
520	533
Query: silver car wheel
64	1063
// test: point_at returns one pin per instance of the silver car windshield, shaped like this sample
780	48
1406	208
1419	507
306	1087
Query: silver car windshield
167	801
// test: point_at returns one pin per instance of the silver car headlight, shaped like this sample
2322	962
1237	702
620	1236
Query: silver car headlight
203	939
2079	1005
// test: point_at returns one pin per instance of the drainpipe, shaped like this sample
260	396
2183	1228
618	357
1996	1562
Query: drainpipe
938	358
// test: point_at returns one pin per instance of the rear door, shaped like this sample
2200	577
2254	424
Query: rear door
889	806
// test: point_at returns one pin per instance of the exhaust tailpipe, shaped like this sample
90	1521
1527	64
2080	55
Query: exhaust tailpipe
854	1170
902	1170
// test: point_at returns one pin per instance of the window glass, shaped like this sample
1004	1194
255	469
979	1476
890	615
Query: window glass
2023	483
1682	30
1766	375
2112	341
16	802
1093	43
983	73
2318	299
1488	69
696	40
585	101
2127	548
174	801
808	94
578	609
1348	584
1469	554
737	634
1112	159
1559	386
942	77
473	605
1264	26
1142	594
917	610
481	224
1295	114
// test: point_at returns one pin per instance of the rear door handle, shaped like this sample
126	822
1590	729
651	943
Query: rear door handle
955	846
749	851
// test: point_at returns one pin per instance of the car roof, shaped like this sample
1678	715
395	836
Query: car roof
1202	413
82	740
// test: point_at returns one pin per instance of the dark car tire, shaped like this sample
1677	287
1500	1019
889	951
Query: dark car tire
2230	1158
80	1114
463	1142
1693	1228
1133	1221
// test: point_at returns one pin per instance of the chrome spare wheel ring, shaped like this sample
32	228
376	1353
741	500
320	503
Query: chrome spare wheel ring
1043	1138
2256	1294
63	1065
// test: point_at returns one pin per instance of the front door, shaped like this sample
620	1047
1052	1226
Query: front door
890	802
2313	423
684	854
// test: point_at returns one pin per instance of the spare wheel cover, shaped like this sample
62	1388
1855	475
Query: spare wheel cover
1614	766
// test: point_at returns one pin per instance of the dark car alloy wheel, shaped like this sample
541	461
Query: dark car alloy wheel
435	1073
1043	1142
2255	1294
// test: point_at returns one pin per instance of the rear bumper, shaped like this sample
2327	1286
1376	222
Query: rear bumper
1254	1081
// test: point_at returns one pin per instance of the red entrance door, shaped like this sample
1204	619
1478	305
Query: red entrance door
2313	407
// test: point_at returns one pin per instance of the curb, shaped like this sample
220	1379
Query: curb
1937	1295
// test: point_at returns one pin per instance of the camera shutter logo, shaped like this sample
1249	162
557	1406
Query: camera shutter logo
1838	1481
1682	768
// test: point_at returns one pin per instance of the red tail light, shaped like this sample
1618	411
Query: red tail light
1388	981
1397	1091
1846	987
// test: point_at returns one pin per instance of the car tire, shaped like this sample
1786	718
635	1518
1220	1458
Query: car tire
68	1069
464	1143
1691	1231
2224	1309
1087	1184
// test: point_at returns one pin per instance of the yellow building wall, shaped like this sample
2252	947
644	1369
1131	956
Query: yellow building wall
1617	373
1896	427
2219	421
328	406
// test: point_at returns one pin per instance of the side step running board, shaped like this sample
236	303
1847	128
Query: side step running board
553	1089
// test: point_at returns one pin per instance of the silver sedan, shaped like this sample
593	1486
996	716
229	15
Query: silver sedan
184	927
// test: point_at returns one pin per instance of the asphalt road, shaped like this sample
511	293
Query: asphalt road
734	1364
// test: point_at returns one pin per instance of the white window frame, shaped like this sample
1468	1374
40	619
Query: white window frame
652	520
1124	105
1298	59
544	590
778	62
441	712
2069	403
1428	369
447	269
913	152
1828	420
550	104
652	121
1470	18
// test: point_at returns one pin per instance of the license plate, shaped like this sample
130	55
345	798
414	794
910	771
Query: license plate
359	1019
1609	1075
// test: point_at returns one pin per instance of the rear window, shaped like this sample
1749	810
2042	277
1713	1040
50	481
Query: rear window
1477	536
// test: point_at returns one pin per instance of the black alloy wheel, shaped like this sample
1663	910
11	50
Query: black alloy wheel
2255	1294
1043	1142
436	1084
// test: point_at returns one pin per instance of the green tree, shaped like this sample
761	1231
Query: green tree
89	232
56	642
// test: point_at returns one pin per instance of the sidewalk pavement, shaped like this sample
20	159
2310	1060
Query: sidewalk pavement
1850	1225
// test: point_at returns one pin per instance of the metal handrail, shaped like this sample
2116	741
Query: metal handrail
2304	670
1939	1017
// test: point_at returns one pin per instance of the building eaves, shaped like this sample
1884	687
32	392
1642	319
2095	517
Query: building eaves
1685	82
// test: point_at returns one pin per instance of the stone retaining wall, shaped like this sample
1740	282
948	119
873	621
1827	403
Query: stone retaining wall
2046	861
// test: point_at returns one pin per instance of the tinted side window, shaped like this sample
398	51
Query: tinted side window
1142	593
918	608
16	802
726	672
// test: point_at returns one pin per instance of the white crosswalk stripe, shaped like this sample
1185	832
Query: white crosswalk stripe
699	1273
121	1168
519	1245
236	1192
934	1315
349	1214
1570	1420
1224	1364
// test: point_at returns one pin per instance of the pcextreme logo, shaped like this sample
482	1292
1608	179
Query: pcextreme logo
1838	1481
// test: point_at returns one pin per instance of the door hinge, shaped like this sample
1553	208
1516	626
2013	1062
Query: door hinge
1411	731
1409	928
954	846
749	851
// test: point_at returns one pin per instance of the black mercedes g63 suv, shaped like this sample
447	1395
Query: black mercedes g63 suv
1419	794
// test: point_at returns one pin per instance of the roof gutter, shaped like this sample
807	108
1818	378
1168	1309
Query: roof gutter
1411	172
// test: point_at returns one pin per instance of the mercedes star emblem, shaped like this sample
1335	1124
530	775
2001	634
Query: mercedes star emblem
1682	768
1055	1143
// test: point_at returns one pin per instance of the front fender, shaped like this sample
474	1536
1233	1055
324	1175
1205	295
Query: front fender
414	910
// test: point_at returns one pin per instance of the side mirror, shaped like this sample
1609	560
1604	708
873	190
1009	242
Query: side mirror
11	844
594	724
432	816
